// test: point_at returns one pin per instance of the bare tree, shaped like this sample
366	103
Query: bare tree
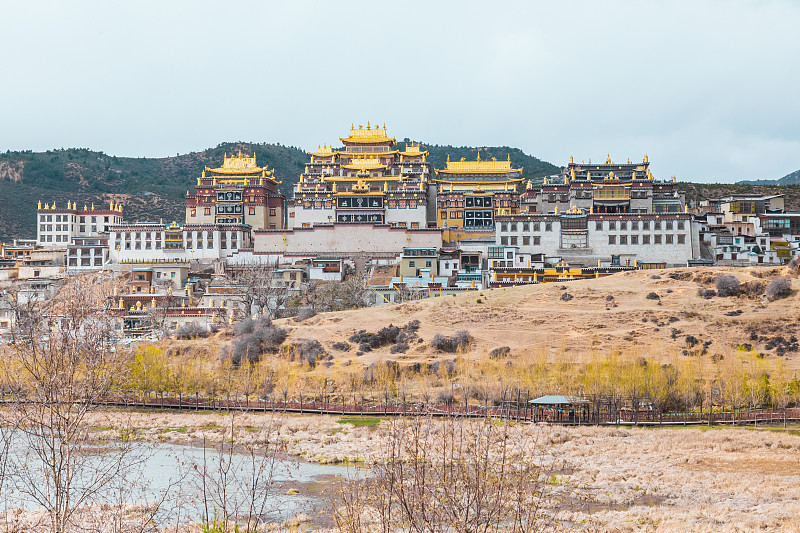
448	475
237	481
63	365
260	291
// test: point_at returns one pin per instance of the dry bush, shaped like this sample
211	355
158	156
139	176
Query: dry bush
652	296
252	340
706	293
341	346
460	341
500	352
779	288
752	289
305	313
727	285
191	330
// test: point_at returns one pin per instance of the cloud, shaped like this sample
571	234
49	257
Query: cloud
707	89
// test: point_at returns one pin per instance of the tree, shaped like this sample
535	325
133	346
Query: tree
261	292
64	366
448	475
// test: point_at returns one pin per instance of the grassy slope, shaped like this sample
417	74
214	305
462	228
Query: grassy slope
532	320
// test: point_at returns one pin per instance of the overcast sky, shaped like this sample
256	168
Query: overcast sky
709	90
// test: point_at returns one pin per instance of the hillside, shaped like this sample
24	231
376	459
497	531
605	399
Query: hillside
701	191
793	178
154	188
604	315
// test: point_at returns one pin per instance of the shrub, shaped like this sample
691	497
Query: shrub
502	351
706	293
655	276
309	351
692	341
244	327
341	346
727	285
652	296
191	331
566	297
304	314
388	335
460	341
779	288
753	289
478	301
255	339
400	347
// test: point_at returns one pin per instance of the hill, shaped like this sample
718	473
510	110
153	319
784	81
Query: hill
603	316
154	188
792	178
701	191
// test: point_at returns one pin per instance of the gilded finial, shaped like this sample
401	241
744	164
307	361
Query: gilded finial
448	158
571	160
40	205
646	160
479	157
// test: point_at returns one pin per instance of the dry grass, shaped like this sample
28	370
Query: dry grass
605	314
625	479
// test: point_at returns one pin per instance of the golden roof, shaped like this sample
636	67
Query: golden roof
325	150
478	167
367	135
413	149
365	163
240	164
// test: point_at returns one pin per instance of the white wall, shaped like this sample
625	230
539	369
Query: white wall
345	239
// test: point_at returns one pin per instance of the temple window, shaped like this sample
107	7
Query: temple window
669	225
548	226
623	225
598	226
513	227
656	239
612	226
634	239
623	239
669	238
658	226
504	240
536	226
646	224
681	239
513	241
526	240
645	239
526	227
503	227
635	225
681	225
612	239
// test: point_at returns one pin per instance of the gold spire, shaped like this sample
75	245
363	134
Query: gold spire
646	160
571	160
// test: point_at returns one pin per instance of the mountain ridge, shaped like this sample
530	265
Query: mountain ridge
154	188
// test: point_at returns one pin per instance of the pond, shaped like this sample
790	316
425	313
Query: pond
190	480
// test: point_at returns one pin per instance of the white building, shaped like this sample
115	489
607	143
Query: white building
59	226
150	242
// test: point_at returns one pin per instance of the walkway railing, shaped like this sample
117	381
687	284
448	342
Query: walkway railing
589	415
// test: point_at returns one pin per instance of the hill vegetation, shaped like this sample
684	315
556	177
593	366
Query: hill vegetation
154	188
793	178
